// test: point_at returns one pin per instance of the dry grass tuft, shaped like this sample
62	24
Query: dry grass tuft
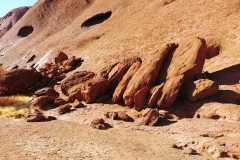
15	106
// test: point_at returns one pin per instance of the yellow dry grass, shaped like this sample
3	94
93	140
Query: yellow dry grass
14	106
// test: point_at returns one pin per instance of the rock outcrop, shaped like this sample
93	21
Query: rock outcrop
170	91
118	93
117	73
147	74
93	89
75	81
188	59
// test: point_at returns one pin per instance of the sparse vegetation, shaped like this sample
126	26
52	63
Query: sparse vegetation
14	106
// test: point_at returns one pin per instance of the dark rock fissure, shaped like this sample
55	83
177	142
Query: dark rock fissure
99	18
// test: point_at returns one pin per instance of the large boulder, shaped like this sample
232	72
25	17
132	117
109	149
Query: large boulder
200	89
93	89
118	93
74	80
170	91
147	74
188	59
17	80
117	73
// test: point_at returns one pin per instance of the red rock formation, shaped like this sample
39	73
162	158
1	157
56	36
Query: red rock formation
147	74
74	80
118	93
15	81
200	89
170	91
93	89
188	59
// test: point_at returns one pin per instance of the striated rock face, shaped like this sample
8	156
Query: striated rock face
118	93
74	80
147	74
188	59
93	89
170	91
200	89
17	80
11	18
117	73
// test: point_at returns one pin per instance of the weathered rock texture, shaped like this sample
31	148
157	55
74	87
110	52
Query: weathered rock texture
93	89
118	93
188	59
200	89
117	73
75	80
147	74
170	91
17	80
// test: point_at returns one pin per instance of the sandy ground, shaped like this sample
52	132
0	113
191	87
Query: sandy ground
70	137
68	140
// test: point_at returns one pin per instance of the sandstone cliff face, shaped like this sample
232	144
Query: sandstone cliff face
11	18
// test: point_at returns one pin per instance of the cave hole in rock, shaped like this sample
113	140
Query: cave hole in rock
31	59
25	31
99	18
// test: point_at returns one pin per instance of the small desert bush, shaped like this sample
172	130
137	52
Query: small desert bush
13	106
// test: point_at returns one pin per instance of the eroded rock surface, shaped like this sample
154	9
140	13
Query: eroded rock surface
17	80
147	74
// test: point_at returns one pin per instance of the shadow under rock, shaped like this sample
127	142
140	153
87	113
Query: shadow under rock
227	76
184	108
164	122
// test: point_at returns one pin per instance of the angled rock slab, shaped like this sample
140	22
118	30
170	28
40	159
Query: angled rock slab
170	91
140	98
94	88
117	73
200	89
118	93
188	59
155	92
147	74
74	80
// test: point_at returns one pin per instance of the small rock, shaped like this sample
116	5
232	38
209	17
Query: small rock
77	104
188	150
60	101
64	109
123	116
112	115
98	123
